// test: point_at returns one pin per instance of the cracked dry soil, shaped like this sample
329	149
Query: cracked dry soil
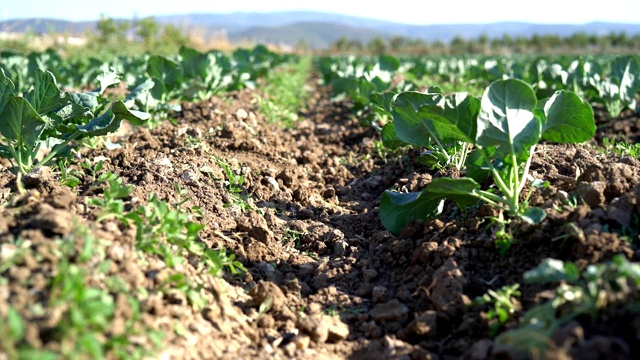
339	285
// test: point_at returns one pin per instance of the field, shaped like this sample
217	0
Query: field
265	206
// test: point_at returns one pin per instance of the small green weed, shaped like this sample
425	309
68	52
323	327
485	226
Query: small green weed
235	185
161	229
621	148
111	203
598	287
502	233
169	234
293	236
81	315
503	307
71	177
93	169
68	176
195	211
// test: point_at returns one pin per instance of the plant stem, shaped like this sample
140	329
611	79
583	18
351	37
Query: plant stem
56	149
509	191
496	176
463	157
492	199
515	183
526	169
442	148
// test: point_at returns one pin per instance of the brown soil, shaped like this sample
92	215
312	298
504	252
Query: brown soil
340	285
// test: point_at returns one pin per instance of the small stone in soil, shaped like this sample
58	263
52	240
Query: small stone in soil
242	114
379	294
54	220
39	175
393	310
425	324
266	289
301	341
315	327
338	330
369	274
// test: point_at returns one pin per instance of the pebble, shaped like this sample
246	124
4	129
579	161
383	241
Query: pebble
338	330
7	251
301	341
189	177
329	193
369	274
37	176
322	328
117	252
313	326
393	310
163	162
273	182
242	114
379	294
267	289
425	324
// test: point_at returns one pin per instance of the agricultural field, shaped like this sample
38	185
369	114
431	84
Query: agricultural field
254	205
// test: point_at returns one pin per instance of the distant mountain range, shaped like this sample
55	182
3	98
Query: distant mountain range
319	30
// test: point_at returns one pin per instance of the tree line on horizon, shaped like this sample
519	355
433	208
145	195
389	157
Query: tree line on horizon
579	42
147	35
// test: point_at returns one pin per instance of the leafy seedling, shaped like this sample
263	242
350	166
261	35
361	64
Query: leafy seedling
170	234
46	113
503	307
618	90
590	292
503	130
111	203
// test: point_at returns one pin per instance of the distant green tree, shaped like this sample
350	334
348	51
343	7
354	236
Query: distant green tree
483	43
377	46
507	41
578	40
174	37
521	45
398	43
439	47
355	45
618	40
458	45
111	32
341	45
147	30
418	46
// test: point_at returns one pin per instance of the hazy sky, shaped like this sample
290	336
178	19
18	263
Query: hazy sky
428	12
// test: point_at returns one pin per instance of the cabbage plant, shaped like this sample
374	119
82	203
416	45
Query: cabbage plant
503	129
618	90
47	114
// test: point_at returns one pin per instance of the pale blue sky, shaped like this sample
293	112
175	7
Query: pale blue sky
428	12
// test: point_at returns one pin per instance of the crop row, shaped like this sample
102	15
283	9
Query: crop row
49	103
493	136
609	81
35	110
